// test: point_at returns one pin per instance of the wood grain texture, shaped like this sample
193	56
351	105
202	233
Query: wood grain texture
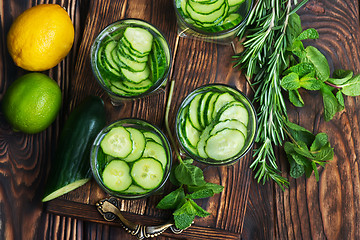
328	209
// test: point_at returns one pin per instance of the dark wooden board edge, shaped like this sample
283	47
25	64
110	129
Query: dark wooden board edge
76	210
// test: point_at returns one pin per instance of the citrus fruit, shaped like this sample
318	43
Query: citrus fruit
32	102
40	37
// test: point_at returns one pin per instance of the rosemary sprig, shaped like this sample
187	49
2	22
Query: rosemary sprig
264	59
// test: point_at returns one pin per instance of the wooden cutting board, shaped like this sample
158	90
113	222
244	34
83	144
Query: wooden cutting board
194	63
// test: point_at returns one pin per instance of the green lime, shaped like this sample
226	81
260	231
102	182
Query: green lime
32	103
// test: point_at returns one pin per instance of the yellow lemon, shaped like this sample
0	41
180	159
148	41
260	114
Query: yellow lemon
40	37
32	102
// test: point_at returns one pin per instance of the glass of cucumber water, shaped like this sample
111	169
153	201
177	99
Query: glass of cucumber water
131	159
211	20
216	124
130	59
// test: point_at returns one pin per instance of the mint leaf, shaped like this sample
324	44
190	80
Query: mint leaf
172	200
198	210
321	139
302	149
294	27
319	61
296	170
340	77
310	33
302	69
310	83
340	98
295	98
297	48
189	174
290	81
213	186
202	193
316	172
352	87
331	105
299	133
326	153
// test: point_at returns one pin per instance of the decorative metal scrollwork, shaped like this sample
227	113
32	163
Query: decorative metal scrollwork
109	208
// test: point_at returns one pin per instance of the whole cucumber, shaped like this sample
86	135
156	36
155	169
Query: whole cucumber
70	168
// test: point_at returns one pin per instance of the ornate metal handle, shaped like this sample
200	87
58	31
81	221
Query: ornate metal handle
109	208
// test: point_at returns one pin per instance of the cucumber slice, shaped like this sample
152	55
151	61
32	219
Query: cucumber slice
129	91
224	144
235	2
152	136
147	173
222	100
140	39
125	43
143	85
205	8
123	50
192	135
234	110
213	17
138	140
134	189
203	109
230	123
157	151
136	77
117	143
109	48
116	175
210	107
202	142
131	64
194	112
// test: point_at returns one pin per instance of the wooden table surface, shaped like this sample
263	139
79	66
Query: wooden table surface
328	209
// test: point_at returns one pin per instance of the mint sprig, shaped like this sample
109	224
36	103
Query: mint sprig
310	70
190	181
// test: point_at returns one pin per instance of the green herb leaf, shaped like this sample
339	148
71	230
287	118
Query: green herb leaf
310	33
352	87
199	211
316	172
296	170
302	69
321	139
321	65
202	193
189	174
213	186
294	27
310	83
340	77
302	149
297	48
184	216
331	105
295	98
300	134
290	81
340	99
172	200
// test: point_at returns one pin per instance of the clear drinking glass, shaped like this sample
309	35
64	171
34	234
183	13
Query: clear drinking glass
205	103
216	21
108	69
98	159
